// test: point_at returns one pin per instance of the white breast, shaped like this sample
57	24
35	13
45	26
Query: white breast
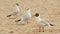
38	19
42	21
15	11
26	16
17	8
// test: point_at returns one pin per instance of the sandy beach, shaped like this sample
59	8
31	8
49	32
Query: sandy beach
48	9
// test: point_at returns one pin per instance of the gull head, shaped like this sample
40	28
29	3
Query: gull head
17	4
27	8
37	15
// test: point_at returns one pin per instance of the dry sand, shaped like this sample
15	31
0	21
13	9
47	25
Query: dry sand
48	9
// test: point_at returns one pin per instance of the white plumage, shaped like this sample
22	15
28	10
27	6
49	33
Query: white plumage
15	11
42	21
25	17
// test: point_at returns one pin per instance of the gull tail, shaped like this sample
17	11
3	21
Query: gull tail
9	15
18	20
46	23
51	25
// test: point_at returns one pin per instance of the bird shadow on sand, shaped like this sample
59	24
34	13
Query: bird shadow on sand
12	18
53	30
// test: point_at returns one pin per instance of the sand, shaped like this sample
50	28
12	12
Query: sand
48	9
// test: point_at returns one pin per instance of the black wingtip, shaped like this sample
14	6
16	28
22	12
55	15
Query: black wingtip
51	24
8	15
18	20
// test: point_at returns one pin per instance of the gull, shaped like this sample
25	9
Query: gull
25	17
42	21
15	11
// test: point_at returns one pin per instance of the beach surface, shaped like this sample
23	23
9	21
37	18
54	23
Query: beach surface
49	10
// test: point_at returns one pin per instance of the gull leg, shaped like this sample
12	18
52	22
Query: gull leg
27	21
41	29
